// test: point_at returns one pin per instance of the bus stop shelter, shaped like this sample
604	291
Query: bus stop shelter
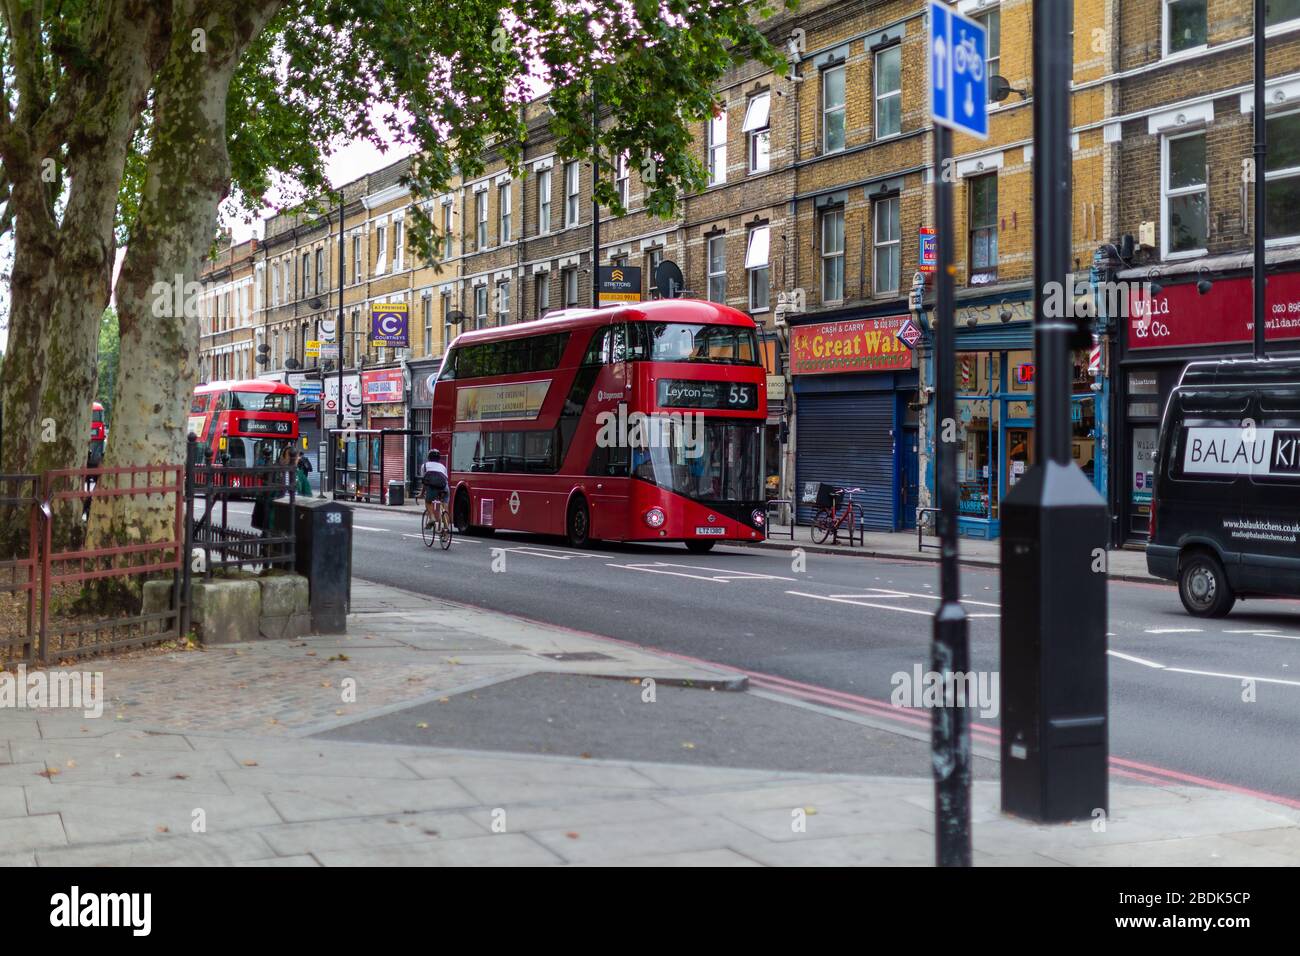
364	460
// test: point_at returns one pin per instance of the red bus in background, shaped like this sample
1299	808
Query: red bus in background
243	424
98	434
637	423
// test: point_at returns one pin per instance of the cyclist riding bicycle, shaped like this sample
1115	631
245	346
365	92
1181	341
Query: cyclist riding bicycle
436	484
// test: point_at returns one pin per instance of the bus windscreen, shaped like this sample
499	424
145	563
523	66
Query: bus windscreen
261	401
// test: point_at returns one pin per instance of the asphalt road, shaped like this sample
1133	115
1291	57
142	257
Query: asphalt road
848	625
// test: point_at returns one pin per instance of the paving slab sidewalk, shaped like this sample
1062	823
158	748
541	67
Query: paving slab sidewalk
242	740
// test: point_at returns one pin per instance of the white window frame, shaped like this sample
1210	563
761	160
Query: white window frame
894	244
572	194
842	108
1166	52
993	62
481	307
622	181
542	292
480	220
752	270
505	210
544	202
878	97
356	258
398	245
275	286
501	299
1166	195
1282	26
448	229
717	150
446	297
708	267
426	306
569	277
756	133
1290	172
829	215
381	249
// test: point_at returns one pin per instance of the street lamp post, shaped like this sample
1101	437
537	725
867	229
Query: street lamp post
1053	622
1261	151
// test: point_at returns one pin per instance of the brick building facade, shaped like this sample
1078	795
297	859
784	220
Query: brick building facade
820	187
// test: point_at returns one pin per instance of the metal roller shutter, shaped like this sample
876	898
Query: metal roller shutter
394	454
844	439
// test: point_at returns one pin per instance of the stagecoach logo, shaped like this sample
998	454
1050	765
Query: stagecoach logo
1241	450
603	396
681	431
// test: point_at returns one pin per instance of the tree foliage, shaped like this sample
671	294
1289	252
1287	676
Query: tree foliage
109	356
126	122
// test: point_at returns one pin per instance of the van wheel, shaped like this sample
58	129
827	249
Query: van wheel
1203	586
700	545
577	527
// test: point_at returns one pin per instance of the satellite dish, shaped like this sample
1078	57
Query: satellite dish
456	317
261	359
669	280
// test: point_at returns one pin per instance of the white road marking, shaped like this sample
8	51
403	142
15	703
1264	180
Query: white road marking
1251	630
890	592
366	527
1262	680
1136	660
725	577
883	607
1172	630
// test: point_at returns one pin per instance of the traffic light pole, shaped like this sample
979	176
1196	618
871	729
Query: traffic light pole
1054	736
950	648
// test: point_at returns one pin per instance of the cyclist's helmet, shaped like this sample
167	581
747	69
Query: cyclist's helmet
434	454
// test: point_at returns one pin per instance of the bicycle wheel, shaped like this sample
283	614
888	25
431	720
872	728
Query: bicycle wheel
822	526
444	529
426	530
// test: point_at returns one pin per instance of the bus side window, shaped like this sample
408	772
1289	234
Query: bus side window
598	351
618	343
638	341
449	366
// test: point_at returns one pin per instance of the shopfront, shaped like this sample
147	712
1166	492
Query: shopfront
1160	335
855	391
419	414
996	437
383	399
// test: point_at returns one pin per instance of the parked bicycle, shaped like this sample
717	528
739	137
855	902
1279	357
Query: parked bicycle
439	529
828	522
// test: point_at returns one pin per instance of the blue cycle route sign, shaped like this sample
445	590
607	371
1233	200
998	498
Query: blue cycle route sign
959	82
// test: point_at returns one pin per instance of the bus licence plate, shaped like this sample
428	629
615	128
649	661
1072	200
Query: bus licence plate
713	531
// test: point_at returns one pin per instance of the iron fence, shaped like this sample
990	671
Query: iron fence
20	570
230	538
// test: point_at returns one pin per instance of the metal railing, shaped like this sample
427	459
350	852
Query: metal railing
231	538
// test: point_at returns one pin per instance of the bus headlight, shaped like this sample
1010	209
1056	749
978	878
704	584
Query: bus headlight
759	518
655	517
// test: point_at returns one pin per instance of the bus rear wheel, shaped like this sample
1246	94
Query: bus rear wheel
460	512
578	526
700	545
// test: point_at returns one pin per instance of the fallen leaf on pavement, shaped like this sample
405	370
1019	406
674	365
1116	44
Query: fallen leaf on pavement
250	763
422	725
687	745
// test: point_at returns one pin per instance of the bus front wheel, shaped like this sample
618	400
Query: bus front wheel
578	527
700	545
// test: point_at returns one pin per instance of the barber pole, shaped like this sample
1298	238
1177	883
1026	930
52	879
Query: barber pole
1094	359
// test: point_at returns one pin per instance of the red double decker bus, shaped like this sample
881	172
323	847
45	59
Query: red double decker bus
98	434
243	424
639	423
